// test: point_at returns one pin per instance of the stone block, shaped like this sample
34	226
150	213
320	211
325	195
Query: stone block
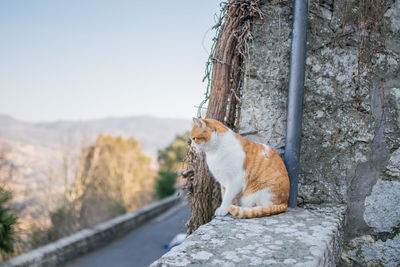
310	236
382	210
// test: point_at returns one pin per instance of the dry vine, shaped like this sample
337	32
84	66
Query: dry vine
371	43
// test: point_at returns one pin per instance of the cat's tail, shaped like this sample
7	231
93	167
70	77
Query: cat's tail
258	211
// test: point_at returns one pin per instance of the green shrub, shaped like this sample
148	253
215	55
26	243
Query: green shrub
8	222
165	183
118	208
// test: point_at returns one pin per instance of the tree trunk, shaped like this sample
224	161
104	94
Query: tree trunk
205	196
201	193
224	104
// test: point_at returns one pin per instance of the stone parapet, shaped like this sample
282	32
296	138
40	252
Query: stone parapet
310	236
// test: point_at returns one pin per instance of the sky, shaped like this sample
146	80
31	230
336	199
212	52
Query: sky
77	60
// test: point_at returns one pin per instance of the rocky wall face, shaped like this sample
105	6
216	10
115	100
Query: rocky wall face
351	122
264	95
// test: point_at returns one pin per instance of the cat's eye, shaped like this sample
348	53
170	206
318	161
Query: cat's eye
197	139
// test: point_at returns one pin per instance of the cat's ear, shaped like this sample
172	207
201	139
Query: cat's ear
199	122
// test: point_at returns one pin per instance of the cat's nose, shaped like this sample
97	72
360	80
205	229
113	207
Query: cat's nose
190	142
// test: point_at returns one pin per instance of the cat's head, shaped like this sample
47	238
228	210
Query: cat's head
202	132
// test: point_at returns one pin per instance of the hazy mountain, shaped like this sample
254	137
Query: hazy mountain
38	149
152	133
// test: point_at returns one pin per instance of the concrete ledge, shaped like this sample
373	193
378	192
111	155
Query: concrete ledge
86	240
310	236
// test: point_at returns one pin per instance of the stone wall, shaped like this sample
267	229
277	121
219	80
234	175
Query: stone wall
307	237
351	138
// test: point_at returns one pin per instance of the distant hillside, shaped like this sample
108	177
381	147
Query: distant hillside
38	150
152	133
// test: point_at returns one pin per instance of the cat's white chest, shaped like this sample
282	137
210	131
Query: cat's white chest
226	160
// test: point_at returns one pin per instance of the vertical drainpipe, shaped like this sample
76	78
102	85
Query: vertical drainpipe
295	97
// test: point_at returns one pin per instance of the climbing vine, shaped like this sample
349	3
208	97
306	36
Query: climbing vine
371	45
209	63
231	47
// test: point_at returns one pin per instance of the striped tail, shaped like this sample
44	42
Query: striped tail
258	211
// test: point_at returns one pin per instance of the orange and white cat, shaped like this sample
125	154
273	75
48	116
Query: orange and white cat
250	171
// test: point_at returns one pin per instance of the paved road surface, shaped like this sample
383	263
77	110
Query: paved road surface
140	247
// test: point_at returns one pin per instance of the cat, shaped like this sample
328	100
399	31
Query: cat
252	172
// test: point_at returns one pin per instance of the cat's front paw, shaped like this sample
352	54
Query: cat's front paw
221	211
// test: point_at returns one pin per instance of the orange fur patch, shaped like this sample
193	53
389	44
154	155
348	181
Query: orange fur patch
203	134
200	135
264	171
259	211
216	126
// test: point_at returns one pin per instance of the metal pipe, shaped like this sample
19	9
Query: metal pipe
295	97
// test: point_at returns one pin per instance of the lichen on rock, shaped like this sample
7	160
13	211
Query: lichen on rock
382	207
299	237
366	251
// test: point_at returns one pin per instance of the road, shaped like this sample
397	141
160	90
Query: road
142	246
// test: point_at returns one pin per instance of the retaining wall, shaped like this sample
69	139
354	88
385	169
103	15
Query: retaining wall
87	240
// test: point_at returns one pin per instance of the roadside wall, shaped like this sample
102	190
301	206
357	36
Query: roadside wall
86	240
